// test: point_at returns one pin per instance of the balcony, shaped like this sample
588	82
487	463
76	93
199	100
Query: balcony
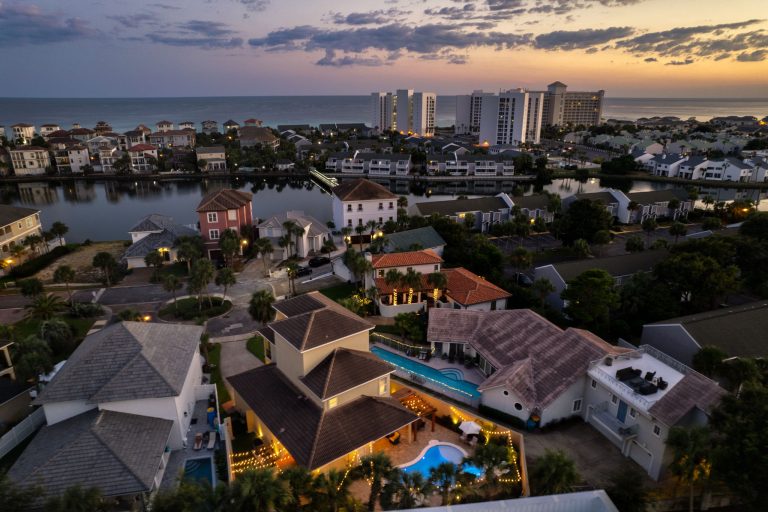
608	423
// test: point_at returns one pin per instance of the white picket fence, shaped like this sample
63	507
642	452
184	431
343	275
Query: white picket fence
20	432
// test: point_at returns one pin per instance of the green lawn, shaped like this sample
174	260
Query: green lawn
179	269
340	291
30	326
255	346
214	359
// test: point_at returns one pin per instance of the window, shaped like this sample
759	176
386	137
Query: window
506	393
359	222
493	306
632	412
614	399
213	217
577	405
381	206
232	214
437	268
213	234
381	272
381	220
594	384
333	402
349	207
390	218
359	207
383	386
391	205
657	431
518	406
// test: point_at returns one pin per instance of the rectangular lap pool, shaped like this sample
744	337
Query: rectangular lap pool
200	470
442	380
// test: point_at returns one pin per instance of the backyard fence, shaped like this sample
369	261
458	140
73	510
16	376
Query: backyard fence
20	432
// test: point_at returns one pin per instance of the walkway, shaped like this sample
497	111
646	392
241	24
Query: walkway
235	358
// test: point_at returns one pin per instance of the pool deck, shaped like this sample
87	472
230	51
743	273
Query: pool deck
178	458
472	375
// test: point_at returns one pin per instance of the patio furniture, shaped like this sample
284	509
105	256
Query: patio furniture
211	440
469	428
473	441
198	441
394	438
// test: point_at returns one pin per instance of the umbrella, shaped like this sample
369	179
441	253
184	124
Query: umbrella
469	427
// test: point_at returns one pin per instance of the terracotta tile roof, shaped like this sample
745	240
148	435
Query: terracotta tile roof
405	259
694	390
467	288
138	148
257	133
361	189
226	199
58	133
344	369
315	437
163	122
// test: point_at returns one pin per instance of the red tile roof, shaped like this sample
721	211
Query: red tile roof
138	148
467	288
225	199
406	259
361	189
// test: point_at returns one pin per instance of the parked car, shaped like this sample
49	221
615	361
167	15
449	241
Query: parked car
319	261
303	271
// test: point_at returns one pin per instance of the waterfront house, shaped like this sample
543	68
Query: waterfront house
314	234
534	207
215	158
79	158
361	162
143	158
23	133
82	134
107	158
486	210
30	160
164	126
58	134
134	138
231	125
323	400
47	129
358	201
210	127
739	331
621	268
102	128
252	122
456	164
16	224
117	411
100	142
656	204
615	201
154	232
173	138
59	150
541	374
222	210
251	136
187	125
414	240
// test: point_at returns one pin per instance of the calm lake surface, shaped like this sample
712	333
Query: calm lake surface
105	210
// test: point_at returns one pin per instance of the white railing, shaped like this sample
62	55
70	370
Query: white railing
618	387
20	432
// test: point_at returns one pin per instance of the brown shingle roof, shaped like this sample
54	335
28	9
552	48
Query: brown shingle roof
312	436
344	369
226	199
318	327
694	390
361	189
403	259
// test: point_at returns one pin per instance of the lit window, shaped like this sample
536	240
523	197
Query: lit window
232	214
577	405
213	234
594	384
656	430
213	217
333	402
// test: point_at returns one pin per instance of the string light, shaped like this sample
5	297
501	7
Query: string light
398	342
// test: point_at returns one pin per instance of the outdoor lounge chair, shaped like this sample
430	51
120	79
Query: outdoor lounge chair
211	440
198	441
394	438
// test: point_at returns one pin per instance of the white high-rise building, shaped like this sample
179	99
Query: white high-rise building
424	104
383	107
504	118
562	108
404	110
468	111
534	117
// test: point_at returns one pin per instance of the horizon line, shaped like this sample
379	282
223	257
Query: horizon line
742	98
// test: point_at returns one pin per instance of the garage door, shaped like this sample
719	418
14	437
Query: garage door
640	455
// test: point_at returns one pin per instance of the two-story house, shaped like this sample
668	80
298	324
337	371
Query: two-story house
210	127
143	158
23	133
368	162
30	160
154	232
251	136
314	234
456	164
117	411
358	201
534	207
323	399
16	224
668	203
222	210
215	158
485	211
174	138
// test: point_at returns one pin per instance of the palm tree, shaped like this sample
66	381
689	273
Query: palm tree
64	274
411	280
45	307
289	230
649	225
300	482
405	490
188	250
439	282
359	230
263	248
188	496
542	288
346	232
371	225
202	275
76	499
554	473
331	491
260	306
172	284
229	243
690	456
18	250
677	229
393	278
708	201
520	259
106	262
31	357
226	278
59	229
258	490
285	242
298	232
328	247
374	468
493	459
33	241
154	259
444	477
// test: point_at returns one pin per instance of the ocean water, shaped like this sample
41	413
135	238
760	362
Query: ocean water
126	113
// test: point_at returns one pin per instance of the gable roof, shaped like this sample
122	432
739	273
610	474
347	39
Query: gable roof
344	369
116	452
534	358
302	304
361	189
126	361
153	241
403	259
532	202
152	222
318	327
10	214
257	133
623	265
299	217
694	390
468	288
658	196
454	206
425	237
225	199
315	437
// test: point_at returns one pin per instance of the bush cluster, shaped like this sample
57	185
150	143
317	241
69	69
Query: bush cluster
33	266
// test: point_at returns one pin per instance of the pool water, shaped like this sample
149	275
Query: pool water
436	455
199	470
409	365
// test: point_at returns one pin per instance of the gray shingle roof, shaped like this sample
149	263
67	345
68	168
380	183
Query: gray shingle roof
532	202
624	265
451	207
116	452
9	214
126	361
318	328
312	436
152	222
426	238
344	369
658	196
301	304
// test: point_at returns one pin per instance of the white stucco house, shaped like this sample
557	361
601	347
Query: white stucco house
358	201
315	233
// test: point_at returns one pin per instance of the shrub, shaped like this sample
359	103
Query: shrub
189	309
85	309
447	422
495	414
32	267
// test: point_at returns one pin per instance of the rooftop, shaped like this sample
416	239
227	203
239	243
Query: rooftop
658	196
403	259
426	238
225	199
454	206
344	369
361	189
585	501
318	328
623	265
532	202
9	214
468	288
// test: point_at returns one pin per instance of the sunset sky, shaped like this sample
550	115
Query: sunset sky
630	48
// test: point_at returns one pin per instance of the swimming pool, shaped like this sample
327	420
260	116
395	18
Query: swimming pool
436	454
427	372
200	470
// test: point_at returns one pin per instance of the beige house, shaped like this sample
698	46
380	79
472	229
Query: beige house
323	399
16	224
30	160
215	158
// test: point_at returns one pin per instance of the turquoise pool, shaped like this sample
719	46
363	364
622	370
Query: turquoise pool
436	455
435	376
200	470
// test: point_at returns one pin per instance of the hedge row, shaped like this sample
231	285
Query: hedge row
495	414
32	267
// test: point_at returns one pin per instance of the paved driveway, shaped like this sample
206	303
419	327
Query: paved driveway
235	358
